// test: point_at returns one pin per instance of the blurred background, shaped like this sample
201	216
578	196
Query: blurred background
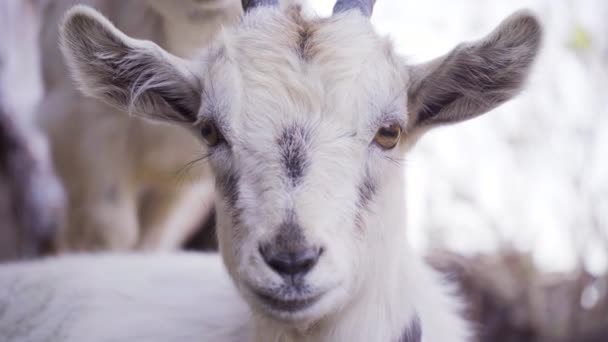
512	205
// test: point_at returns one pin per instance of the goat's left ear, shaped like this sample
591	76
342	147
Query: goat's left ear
475	77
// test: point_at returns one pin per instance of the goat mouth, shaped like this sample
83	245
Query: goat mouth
289	304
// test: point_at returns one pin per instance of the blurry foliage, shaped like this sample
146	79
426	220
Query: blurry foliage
581	39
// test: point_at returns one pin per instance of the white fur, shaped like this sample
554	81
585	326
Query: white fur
152	298
337	88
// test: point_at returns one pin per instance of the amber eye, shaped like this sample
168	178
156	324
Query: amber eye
210	134
387	137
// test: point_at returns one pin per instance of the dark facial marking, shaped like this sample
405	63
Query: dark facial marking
290	237
288	244
293	146
367	191
412	333
227	184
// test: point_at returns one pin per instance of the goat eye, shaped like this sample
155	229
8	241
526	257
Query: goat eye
210	134
387	137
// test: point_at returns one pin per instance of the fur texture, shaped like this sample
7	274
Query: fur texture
152	298
339	84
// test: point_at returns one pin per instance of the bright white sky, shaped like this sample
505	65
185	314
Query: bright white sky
532	174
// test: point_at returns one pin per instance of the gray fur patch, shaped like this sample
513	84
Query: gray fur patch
367	190
412	333
290	236
293	146
227	185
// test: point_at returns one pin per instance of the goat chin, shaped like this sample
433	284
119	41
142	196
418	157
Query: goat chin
165	297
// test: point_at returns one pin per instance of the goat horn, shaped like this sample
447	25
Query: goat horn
365	6
250	4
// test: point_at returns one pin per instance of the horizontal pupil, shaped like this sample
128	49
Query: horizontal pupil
389	132
206	130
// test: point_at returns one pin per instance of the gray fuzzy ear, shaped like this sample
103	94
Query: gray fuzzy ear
475	77
134	75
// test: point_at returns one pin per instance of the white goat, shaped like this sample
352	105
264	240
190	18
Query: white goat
305	121
123	174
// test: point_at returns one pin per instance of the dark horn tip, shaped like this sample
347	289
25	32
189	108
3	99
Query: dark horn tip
365	6
251	4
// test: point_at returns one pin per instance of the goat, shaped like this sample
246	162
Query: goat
305	121
31	196
122	175
310	190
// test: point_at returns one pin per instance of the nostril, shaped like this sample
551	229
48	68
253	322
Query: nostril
289	263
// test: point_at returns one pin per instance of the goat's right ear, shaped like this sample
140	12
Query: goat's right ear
134	75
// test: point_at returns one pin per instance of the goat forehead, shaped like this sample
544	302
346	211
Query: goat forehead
307	86
297	65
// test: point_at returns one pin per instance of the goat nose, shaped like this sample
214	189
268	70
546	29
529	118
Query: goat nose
291	263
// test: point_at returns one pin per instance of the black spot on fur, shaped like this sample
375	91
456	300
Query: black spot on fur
293	144
413	332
